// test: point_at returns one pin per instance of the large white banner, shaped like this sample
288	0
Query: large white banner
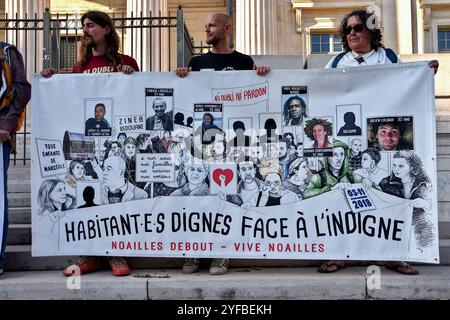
299	164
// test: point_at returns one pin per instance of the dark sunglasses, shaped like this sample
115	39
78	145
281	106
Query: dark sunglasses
356	27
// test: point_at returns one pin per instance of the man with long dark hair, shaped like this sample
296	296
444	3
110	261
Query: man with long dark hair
99	48
99	54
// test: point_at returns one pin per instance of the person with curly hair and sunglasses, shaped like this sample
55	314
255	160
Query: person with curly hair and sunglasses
362	43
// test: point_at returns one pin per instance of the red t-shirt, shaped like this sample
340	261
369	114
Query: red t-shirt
99	64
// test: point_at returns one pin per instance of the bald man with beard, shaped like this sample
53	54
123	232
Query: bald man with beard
221	57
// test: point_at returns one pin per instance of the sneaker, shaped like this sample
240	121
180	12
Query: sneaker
191	265
219	266
119	266
85	265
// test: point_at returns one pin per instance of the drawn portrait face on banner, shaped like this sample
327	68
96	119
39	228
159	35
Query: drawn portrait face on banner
53	196
196	173
130	147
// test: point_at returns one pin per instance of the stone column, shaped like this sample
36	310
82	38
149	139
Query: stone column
255	26
28	42
148	46
397	31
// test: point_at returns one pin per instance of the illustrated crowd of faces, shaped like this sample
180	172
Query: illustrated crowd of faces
270	166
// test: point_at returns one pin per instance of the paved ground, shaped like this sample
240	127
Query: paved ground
354	283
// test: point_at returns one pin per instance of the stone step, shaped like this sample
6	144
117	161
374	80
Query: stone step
19	173
444	230
443	163
20	215
444	210
19	186
18	257
444	251
443	185
19	234
442	125
19	200
19	163
353	283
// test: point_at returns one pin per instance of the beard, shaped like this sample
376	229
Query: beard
282	158
214	40
249	179
88	42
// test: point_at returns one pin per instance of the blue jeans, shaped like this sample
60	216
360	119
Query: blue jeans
6	155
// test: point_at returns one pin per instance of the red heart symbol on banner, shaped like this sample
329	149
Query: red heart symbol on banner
225	175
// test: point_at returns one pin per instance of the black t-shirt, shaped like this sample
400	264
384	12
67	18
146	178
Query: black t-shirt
219	62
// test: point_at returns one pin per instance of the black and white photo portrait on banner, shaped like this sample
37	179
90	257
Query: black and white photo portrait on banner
159	109
98	114
348	120
208	122
89	194
318	137
183	118
240	135
294	105
269	128
391	133
355	148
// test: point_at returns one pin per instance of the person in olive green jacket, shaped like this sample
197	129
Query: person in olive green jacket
335	173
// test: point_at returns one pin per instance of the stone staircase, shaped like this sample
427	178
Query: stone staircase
19	237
